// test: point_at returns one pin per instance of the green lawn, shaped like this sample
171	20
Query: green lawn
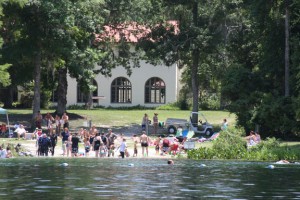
103	117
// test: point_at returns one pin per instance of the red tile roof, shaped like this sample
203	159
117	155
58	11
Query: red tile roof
131	32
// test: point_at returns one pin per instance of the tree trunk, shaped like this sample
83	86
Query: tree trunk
90	100
37	83
287	50
194	70
62	91
195	85
8	97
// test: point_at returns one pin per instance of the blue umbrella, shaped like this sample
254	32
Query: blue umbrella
4	112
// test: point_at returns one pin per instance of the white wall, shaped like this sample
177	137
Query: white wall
138	79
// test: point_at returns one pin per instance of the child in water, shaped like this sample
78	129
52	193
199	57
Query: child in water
135	151
102	150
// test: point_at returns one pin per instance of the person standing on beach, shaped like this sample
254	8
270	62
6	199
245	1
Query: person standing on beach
87	146
57	124
96	144
111	142
74	141
145	123
38	120
144	143
155	123
135	151
122	148
65	119
53	139
65	135
44	144
49	120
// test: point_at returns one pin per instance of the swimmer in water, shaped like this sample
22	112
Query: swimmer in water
170	162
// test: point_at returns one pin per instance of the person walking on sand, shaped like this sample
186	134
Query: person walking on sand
144	143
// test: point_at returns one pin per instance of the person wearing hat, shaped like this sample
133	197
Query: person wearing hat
155	123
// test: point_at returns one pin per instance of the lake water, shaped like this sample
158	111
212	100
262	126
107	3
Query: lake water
90	178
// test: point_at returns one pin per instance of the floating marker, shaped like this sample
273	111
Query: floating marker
270	167
131	164
203	165
64	164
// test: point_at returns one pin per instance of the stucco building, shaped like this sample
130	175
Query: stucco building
148	86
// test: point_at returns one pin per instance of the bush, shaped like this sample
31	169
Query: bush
170	106
231	144
210	102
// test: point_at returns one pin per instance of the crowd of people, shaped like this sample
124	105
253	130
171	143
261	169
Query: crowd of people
100	143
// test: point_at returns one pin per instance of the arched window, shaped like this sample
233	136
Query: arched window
121	90
155	91
82	96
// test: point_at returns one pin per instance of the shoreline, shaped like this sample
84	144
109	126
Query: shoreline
31	147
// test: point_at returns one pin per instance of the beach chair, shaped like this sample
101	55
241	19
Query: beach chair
211	138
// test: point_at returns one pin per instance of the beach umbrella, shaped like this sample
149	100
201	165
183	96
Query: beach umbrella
4	112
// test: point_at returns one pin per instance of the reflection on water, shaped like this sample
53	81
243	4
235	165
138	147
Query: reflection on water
90	178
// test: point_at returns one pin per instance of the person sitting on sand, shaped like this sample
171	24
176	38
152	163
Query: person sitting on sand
20	131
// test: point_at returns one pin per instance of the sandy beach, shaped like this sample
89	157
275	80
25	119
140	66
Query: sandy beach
30	146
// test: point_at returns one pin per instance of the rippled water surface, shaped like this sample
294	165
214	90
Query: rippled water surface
87	178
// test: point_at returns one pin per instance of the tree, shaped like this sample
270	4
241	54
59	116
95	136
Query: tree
197	41
4	75
260	56
58	35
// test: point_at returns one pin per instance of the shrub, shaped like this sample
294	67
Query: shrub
170	106
231	144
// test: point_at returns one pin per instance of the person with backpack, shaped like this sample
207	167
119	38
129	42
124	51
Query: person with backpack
104	138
